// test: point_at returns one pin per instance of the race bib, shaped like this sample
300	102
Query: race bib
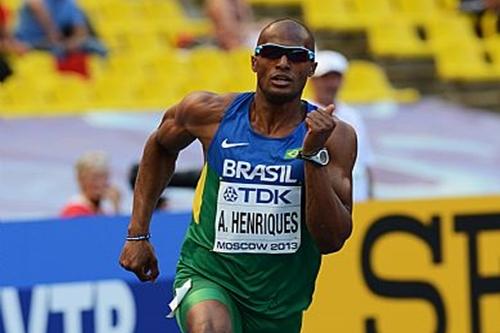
257	218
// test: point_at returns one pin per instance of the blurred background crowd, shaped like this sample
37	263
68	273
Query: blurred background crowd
83	83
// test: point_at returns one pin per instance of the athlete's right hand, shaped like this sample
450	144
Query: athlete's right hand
139	257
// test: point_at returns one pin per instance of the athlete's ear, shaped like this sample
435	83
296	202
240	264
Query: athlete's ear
313	69
254	64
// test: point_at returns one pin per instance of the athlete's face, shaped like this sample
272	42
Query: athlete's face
281	75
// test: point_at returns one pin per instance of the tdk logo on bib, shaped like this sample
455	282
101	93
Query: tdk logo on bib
230	194
275	196
264	173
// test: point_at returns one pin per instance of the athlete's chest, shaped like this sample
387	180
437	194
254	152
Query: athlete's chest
259	196
238	153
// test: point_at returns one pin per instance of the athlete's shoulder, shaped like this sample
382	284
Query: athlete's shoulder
203	106
343	141
206	97
344	128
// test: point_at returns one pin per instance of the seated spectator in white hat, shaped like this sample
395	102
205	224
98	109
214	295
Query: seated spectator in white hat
326	83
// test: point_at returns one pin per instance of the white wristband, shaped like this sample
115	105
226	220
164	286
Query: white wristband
139	237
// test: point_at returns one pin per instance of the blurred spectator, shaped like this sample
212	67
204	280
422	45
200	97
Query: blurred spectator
231	20
186	179
59	26
479	5
92	172
5	69
478	8
326	82
8	45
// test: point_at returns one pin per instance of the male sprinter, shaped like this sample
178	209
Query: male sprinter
274	195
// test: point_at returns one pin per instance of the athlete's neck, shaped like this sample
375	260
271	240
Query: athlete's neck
276	120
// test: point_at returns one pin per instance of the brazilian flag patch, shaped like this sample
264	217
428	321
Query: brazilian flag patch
292	153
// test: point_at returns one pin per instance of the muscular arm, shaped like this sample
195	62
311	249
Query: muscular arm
329	191
156	168
196	117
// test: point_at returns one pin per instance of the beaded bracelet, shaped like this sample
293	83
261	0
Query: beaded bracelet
139	237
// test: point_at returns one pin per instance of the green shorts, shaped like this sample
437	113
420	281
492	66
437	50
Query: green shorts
242	321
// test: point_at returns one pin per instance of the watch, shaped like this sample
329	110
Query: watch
321	157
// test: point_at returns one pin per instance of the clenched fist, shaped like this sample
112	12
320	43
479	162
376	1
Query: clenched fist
139	257
320	125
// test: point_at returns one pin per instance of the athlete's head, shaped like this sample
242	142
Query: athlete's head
283	60
92	171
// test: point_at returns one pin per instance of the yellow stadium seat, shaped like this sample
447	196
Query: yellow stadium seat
69	94
397	38
211	57
125	64
460	61
450	29
420	11
115	27
181	26
175	70
489	22
126	12
112	91
22	96
115	42
143	42
157	92
346	15
338	15
35	63
458	52
366	82
163	9
275	2
97	67
211	67
492	47
92	9
12	4
451	4
241	78
382	8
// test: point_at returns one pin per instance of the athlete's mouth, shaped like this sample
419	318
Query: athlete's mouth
281	79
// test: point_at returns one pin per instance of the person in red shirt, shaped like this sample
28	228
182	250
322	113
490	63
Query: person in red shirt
8	44
92	171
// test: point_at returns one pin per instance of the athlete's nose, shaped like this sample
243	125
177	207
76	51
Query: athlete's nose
283	62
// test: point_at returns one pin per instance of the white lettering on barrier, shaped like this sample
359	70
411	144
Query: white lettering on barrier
71	299
113	296
10	309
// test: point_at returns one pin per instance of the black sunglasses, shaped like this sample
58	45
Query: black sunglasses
276	51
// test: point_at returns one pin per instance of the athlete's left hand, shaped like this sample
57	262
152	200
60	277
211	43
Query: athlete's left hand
320	125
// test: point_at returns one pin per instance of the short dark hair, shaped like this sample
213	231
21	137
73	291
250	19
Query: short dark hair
292	20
